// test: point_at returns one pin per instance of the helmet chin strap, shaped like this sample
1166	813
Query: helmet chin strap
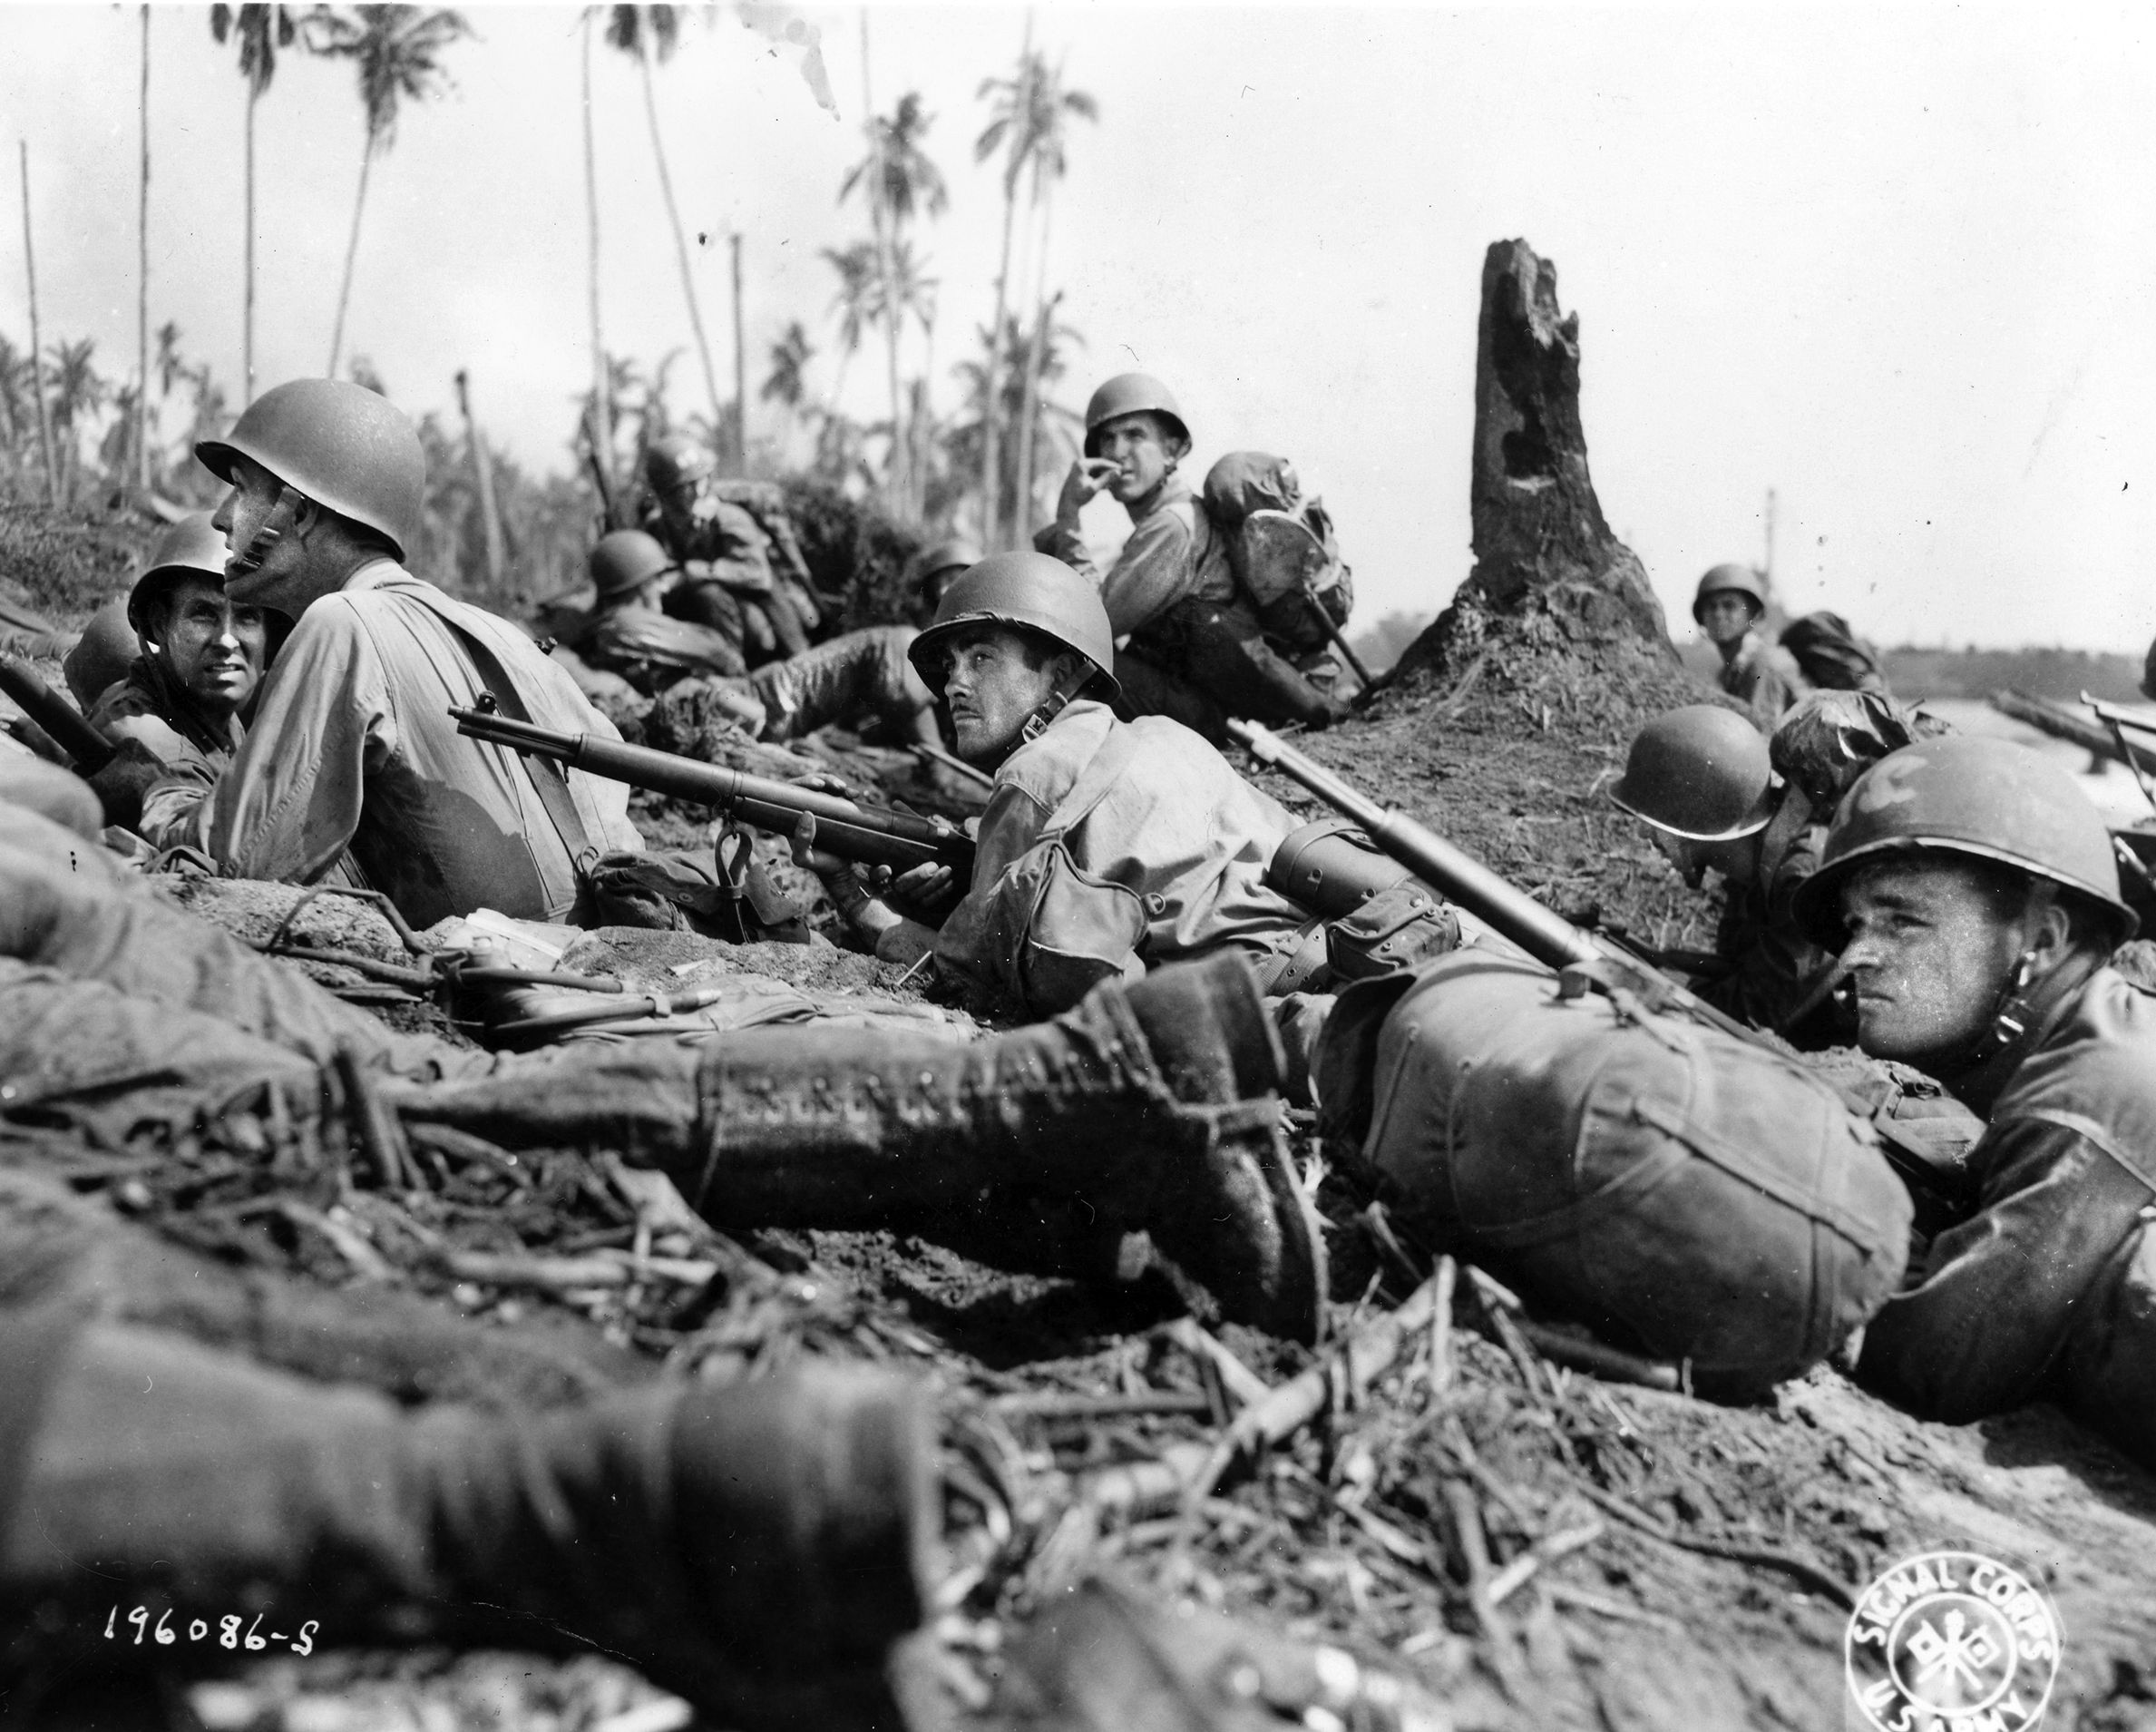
2013	1015
249	561
1050	707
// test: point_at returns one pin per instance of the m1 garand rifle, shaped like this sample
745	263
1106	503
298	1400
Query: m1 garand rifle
810	818
1584	961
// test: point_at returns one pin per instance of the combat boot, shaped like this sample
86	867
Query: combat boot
756	1548
1152	1105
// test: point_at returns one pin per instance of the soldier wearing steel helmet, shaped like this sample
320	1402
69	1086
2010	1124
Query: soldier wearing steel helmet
352	770
1729	605
1193	646
862	673
1972	894
1716	797
201	655
1106	846
740	572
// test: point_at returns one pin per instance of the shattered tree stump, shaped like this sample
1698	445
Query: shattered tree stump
1542	546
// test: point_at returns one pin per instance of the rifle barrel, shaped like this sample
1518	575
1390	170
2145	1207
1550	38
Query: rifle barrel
91	750
1542	932
895	839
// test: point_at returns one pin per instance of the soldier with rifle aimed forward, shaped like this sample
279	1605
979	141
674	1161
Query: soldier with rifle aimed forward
1107	847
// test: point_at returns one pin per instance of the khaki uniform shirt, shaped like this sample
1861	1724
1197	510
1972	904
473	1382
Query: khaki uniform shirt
1174	555
149	707
652	650
1766	676
1180	828
2050	1287
353	747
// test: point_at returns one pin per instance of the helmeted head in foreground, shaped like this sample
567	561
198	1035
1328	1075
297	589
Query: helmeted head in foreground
1700	779
208	644
1962	880
1014	640
320	469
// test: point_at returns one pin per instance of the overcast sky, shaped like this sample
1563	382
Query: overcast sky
1896	265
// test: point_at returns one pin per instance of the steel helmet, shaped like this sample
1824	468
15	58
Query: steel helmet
940	556
192	547
675	462
345	447
1126	393
1700	772
103	653
626	559
1030	590
1741	579
1962	793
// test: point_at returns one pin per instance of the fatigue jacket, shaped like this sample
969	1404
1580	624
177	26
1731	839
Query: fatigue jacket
353	747
652	650
2049	1289
1766	676
1181	830
1774	966
151	706
1174	555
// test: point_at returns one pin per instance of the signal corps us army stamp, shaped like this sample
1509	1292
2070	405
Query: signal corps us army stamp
1952	1641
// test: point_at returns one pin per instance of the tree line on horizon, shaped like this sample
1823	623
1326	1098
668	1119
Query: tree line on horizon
77	437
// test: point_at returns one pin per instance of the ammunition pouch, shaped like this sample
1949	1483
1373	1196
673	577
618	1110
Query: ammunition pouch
1378	916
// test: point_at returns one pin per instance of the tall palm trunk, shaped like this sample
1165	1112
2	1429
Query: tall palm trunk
246	325
37	388
1030	403
344	295
142	428
602	396
991	401
688	282
897	484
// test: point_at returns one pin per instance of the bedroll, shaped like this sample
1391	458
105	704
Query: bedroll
1677	1189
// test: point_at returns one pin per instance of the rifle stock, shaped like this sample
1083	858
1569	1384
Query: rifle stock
896	839
1547	935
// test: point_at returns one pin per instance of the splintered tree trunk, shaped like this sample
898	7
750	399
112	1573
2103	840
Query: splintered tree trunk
484	475
1541	542
141	427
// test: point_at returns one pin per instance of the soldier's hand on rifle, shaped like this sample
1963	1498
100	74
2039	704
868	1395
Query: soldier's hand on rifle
926	893
1087	476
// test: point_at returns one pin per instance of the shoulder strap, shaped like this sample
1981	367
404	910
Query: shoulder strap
548	778
1103	770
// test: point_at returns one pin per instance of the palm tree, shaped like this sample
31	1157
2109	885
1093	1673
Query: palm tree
142	399
601	418
79	391
787	382
899	181
858	303
1006	130
646	34
262	30
1052	108
396	51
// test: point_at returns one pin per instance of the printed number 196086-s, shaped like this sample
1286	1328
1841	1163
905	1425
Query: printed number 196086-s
228	1634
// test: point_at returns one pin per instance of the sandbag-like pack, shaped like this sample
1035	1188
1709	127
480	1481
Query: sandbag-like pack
1678	1189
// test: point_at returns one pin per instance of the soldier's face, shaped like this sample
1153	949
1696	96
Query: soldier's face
993	680
241	514
1726	616
212	645
1138	445
1929	950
